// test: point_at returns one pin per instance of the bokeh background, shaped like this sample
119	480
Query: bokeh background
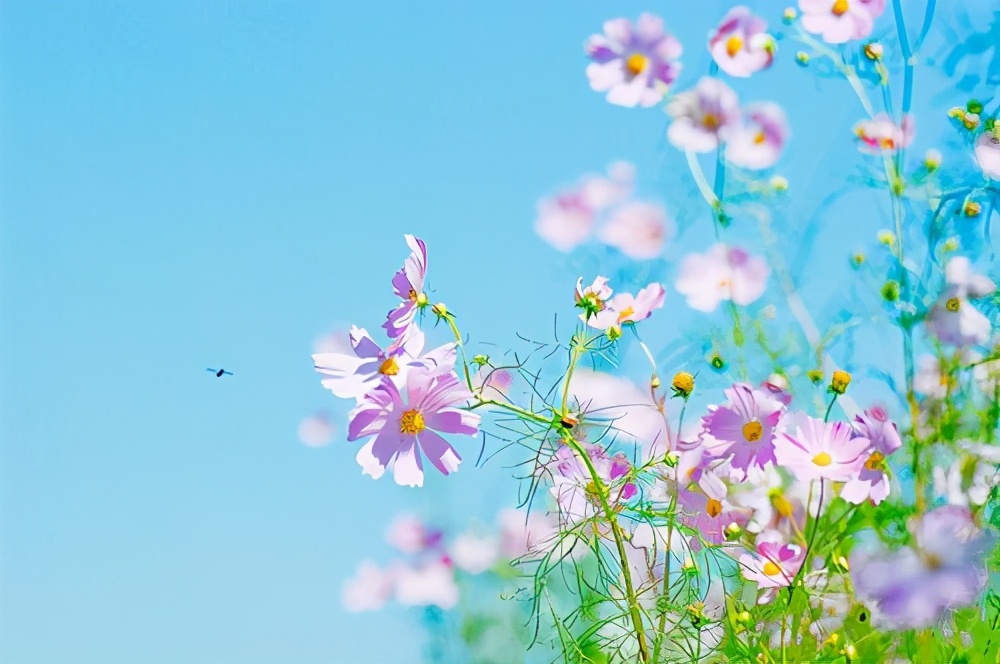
217	184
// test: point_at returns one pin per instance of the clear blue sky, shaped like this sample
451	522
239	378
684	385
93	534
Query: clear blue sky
194	184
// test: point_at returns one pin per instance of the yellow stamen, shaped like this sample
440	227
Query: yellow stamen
412	422
875	461
953	304
759	138
389	368
710	121
636	63
752	431
822	459
771	569
839	7
733	46
626	312
713	507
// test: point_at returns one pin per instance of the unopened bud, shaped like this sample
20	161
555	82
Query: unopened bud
733	531
970	120
682	384
654	382
789	15
743	616
815	376
974	106
932	160
802	58
857	260
481	360
951	244
840	381
779	183
440	309
890	291
671	459
972	209
873	50
613	333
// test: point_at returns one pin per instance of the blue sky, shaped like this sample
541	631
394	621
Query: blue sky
190	184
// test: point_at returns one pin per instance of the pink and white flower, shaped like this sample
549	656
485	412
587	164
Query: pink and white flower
574	487
634	64
592	299
744	428
408	285
740	44
628	309
638	230
952	319
815	450
773	565
872	482
474	553
567	219
758	142
988	153
840	21
429	584
703	116
408	534
881	134
722	273
369	589
523	533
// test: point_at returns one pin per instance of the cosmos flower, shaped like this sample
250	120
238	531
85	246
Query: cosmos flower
988	153
952	319
743	428
428	584
633	64
839	21
759	141
474	553
966	482
523	533
408	285
773	565
369	588
567	219
409	534
709	516
740	44
913	587
929	379
721	274
404	428
703	116
628	309
881	134
872	482
814	450
593	298
574	488
638	230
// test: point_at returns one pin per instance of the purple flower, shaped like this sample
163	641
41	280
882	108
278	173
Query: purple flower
839	21
758	143
403	429
743	428
709	516
988	153
722	273
703	116
575	489
952	319
635	65
741	45
813	449
408	285
912	587
638	230
774	564
777	386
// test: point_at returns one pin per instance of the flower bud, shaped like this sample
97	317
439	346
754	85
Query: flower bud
951	244
682	384
440	309
974	106
850	652
840	381
654	382
789	15
480	360
733	531
779	183
815	376
613	333
932	160
886	237
890	291
802	58
873	50
972	209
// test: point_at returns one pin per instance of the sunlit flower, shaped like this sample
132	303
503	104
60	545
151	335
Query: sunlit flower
567	219
882	134
574	488
403	429
316	430
625	308
839	21
634	64
722	274
988	154
758	143
592	299
430	584
743	428
408	285
741	45
813	449
952	319
703	116
638	230
709	516
369	588
872	482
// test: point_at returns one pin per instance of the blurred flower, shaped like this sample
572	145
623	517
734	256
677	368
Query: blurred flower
431	584
777	385
402	430
814	450
337	341
709	516
474	554
634	64
740	44
368	589
988	154
967	482
408	284
316	430
952	319
839	21
758	143
567	219
702	116
618	403
882	134
408	534
743	428
522	533
493	384
574	487
930	379
638	230
721	274
913	587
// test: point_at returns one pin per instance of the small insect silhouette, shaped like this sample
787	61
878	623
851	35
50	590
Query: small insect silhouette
220	372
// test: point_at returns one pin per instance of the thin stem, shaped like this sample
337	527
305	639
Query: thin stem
926	27
904	44
826	418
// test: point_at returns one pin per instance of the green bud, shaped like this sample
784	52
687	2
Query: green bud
974	106
890	291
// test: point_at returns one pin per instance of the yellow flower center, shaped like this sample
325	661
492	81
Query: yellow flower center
759	138
733	46
782	505
420	299
932	560
710	121
636	63
389	367
875	461
752	431
714	507
953	304
593	302
771	569
840	7
625	313
822	459
412	422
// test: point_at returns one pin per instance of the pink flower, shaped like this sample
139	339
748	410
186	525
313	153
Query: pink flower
988	153
431	584
408	285
638	230
316	430
524	533
814	450
593	298
628	309
774	565
403	429
709	516
566	220
882	134
702	116
633	64
368	589
474	554
741	45
493	383
722	274
758	143
408	534
574	488
743	428
839	21
872	482
952	319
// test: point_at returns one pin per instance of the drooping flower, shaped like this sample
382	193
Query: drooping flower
638	230
408	285
813	449
369	588
952	319
722	274
703	116
872	482
988	153
574	487
882	134
429	584
758	143
840	21
633	64
626	309
404	428
593	298
913	587
743	428
740	44
316	430
773	565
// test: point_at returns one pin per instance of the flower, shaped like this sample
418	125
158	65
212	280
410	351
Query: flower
593	298
634	64
773	565
988	154
567	219
722	273
967	482
740	44
839	381
872	482
408	284
523	533
930	379
882	134
709	516
574	487
431	584
492	383
743	428
316	430
403	429
702	116
952	319
369	588
408	534
815	450
758	143
912	587
839	21
474	554
628	309
638	230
